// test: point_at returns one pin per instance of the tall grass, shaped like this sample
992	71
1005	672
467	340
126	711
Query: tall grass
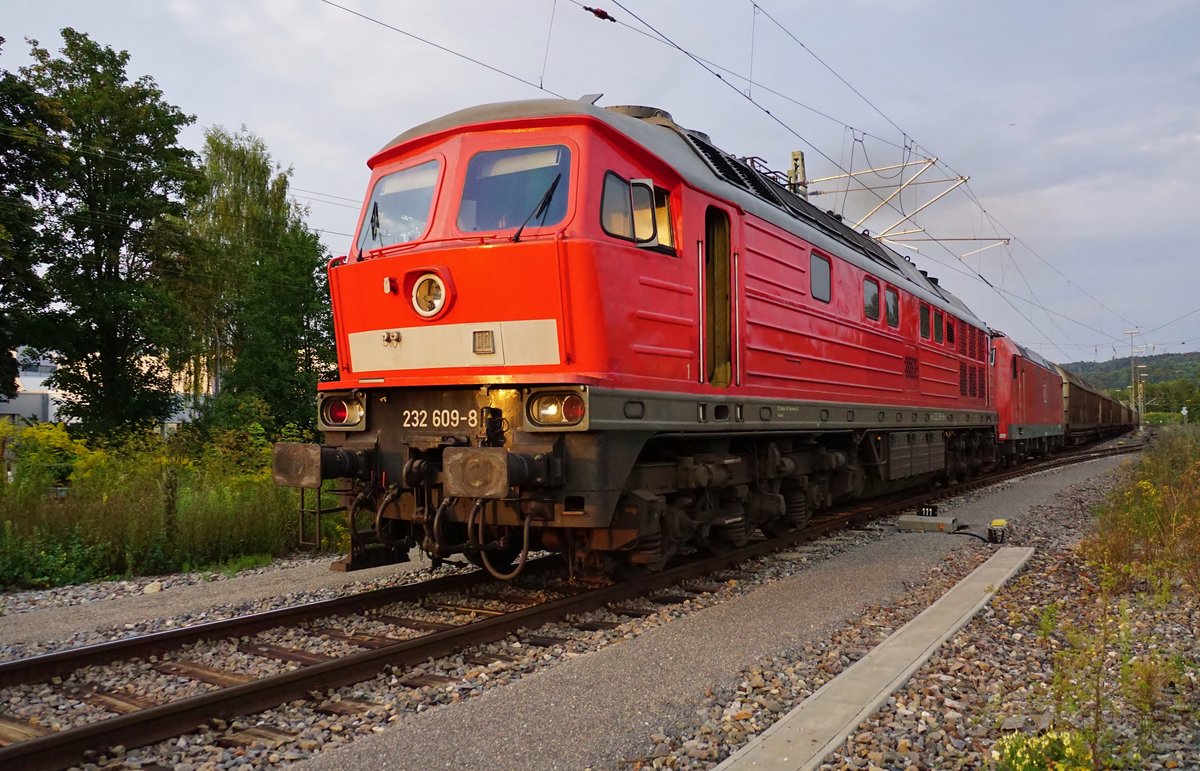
1150	531
75	512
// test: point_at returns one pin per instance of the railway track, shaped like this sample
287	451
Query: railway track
395	628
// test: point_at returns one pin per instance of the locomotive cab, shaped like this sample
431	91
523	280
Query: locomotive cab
470	329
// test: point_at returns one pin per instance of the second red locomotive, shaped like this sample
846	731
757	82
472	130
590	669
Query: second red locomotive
591	331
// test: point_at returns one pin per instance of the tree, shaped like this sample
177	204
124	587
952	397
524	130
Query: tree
116	213
258	302
30	160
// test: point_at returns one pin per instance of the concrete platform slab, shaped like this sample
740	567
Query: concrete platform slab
803	737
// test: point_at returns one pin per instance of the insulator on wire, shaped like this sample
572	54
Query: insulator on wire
599	13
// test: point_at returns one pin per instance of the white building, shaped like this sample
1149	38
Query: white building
35	400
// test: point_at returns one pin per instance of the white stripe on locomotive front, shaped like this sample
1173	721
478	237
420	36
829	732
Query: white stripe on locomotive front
518	343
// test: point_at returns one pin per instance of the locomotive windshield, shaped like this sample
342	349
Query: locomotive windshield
399	208
504	187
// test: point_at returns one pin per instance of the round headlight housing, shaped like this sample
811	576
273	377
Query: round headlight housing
341	412
557	409
429	295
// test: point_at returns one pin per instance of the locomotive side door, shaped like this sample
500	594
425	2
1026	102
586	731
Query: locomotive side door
1019	391
718	299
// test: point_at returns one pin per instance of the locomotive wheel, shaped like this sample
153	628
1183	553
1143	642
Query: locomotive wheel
724	537
621	569
776	527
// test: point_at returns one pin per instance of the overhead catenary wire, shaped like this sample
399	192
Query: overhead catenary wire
549	35
1172	321
443	48
749	80
968	191
783	124
907	147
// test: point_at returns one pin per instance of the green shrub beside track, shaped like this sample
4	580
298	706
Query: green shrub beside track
1148	534
77	511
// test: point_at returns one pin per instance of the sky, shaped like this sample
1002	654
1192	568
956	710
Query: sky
1076	121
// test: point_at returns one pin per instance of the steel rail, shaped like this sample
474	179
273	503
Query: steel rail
165	721
34	669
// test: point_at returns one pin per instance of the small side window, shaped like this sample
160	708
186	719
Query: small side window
632	210
644	228
892	299
937	326
616	207
1014	366
871	298
924	321
820	271
662	213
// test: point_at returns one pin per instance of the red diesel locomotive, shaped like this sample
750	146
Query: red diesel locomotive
591	331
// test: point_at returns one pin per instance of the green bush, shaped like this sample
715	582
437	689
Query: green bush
141	505
1150	531
44	560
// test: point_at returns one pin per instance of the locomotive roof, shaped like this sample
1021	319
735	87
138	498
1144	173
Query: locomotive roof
1033	356
709	168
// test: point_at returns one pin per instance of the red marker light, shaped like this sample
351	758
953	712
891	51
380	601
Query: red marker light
337	412
572	408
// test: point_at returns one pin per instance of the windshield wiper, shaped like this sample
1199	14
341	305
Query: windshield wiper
541	209
373	224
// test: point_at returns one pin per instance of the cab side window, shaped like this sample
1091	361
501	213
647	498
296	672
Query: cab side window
937	326
616	207
924	321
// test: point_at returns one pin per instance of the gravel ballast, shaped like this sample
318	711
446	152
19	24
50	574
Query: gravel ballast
685	693
680	687
91	613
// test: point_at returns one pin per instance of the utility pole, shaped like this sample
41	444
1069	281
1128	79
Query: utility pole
797	175
1132	370
1141	393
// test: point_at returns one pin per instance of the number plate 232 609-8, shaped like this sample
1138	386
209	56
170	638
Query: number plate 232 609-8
439	414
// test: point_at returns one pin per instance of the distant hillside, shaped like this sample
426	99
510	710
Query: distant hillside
1160	369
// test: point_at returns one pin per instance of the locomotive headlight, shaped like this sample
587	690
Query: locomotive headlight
341	412
557	409
429	295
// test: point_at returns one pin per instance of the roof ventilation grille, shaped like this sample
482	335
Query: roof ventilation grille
641	112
